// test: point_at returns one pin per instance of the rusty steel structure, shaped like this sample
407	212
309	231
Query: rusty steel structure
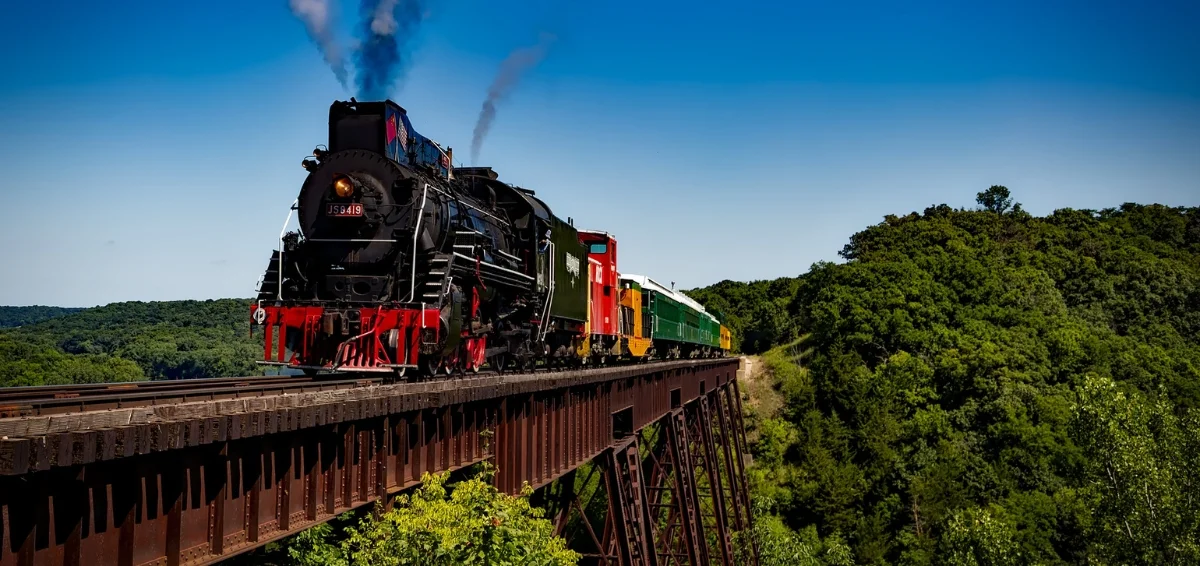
661	446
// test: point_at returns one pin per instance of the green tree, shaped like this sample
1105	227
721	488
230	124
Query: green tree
977	537
996	199
467	523
778	545
1143	475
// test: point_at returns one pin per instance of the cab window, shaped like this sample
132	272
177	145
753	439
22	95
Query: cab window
598	248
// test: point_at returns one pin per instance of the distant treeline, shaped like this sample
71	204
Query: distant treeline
980	387
11	317
132	341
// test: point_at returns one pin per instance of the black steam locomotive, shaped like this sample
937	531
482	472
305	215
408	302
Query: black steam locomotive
404	262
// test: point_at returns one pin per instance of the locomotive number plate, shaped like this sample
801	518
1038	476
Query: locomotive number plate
351	209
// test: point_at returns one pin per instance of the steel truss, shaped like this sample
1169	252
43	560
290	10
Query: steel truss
672	493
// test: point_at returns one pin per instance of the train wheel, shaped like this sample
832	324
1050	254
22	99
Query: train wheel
499	362
431	365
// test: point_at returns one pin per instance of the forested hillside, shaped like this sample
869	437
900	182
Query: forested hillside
984	387
11	317
133	340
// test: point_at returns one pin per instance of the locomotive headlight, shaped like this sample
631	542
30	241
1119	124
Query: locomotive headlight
343	186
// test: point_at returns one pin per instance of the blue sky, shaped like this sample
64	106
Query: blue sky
152	149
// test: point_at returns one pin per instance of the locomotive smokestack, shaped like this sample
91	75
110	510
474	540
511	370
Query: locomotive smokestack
507	77
387	29
317	16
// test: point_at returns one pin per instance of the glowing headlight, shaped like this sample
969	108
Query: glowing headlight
343	187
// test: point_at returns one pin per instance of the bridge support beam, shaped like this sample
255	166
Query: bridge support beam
674	492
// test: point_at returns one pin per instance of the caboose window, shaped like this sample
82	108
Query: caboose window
598	249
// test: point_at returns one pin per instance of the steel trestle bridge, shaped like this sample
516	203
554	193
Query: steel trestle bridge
636	465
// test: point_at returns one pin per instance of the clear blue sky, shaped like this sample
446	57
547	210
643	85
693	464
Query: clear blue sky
151	149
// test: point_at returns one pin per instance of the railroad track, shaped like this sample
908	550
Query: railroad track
76	398
59	399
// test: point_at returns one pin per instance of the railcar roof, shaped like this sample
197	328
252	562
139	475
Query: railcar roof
648	283
598	233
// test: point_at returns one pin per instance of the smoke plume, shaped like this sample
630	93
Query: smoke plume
388	28
507	77
317	16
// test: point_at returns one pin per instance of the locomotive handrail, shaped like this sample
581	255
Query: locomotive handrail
282	231
412	293
510	256
494	266
549	290
352	240
469	205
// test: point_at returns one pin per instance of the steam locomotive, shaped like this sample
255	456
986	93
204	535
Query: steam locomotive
404	262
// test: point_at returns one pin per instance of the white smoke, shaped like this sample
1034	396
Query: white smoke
383	21
317	16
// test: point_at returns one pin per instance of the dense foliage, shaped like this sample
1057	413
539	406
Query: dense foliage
11	317
470	522
756	312
134	340
988	387
24	363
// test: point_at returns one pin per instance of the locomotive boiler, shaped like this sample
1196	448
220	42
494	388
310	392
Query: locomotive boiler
402	261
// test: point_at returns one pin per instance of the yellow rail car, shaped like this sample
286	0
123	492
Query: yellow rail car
635	332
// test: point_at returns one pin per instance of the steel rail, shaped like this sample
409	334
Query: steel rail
75	398
51	391
53	400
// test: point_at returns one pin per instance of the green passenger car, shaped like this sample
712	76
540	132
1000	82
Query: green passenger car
675	319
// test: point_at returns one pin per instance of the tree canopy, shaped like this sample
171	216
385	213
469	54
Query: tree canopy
989	387
467	523
133	340
996	199
11	317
